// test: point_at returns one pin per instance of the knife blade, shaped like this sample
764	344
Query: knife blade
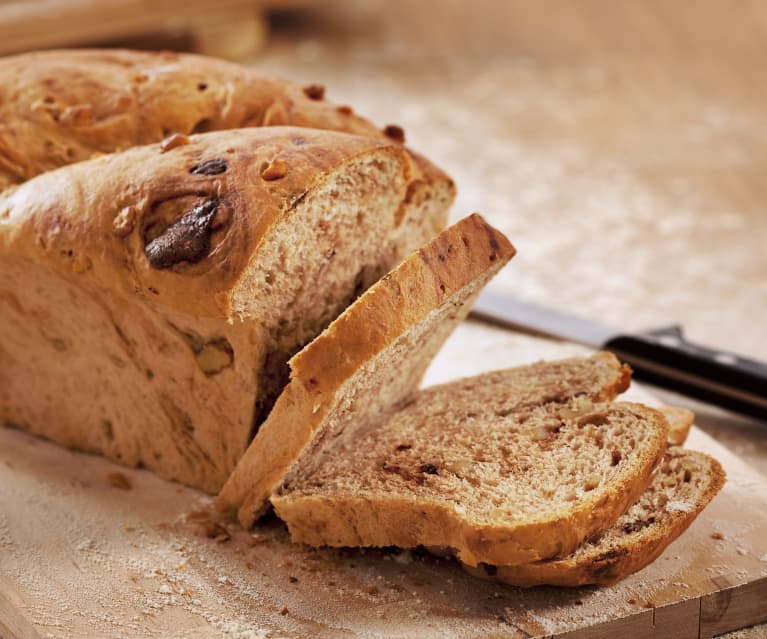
662	356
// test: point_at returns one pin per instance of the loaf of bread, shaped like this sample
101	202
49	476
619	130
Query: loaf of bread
172	305
61	107
371	358
151	299
152	274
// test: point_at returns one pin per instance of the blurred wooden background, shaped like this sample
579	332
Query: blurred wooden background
225	28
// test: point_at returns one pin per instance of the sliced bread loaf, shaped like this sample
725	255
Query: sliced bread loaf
505	468
150	300
684	484
370	359
61	107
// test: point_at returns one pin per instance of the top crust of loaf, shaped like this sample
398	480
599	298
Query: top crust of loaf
61	107
106	211
444	274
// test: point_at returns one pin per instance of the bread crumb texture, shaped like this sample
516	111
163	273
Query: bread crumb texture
516	465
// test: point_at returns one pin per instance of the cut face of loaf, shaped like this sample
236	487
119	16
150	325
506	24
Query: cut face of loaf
150	300
683	486
505	468
368	360
61	107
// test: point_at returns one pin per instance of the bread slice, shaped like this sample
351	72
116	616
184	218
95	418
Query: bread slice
61	107
680	421
505	468
150	300
370	359
683	486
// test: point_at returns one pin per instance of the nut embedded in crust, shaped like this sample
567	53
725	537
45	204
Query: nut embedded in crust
394	132
173	141
216	166
186	240
275	170
314	91
123	222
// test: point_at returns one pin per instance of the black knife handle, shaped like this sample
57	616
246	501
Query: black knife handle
665	358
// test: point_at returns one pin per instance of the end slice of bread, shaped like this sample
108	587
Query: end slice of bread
680	421
369	359
683	486
504	468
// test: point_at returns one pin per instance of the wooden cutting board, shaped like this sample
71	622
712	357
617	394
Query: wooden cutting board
84	553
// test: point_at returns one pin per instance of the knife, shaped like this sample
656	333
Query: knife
662	356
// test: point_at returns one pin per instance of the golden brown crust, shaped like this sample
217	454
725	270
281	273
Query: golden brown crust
94	221
400	300
602	565
622	380
61	107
